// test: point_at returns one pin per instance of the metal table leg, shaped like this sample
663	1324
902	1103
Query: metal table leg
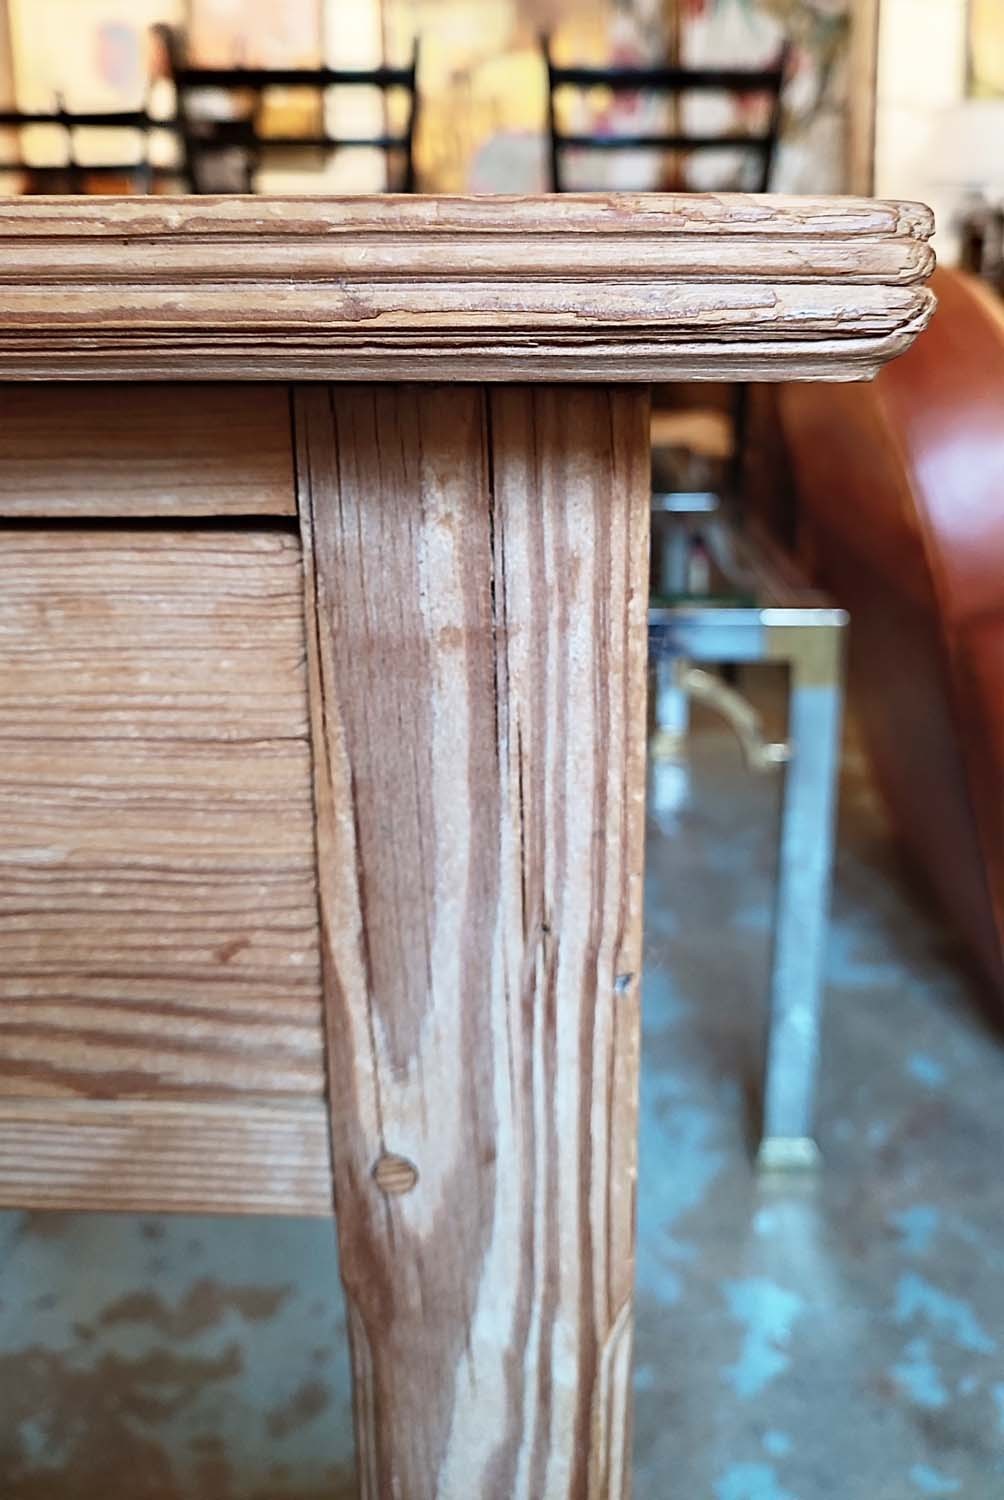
803	888
810	641
672	709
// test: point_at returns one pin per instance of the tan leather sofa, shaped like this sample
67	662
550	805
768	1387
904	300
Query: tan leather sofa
900	488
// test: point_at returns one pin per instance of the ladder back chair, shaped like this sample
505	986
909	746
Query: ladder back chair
207	140
116	169
674	83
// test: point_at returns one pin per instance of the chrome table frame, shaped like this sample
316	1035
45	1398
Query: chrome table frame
810	641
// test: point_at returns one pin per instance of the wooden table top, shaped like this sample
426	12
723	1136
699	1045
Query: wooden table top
600	287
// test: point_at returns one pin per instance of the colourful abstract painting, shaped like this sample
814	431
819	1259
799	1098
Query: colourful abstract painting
484	90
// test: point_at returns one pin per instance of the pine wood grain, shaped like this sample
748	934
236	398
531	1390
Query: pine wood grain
131	451
476	586
158	922
605	288
231	217
142	1156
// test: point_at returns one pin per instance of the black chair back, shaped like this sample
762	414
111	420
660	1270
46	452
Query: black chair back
74	175
205	140
674	83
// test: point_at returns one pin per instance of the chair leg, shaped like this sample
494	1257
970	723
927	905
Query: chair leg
803	892
672	709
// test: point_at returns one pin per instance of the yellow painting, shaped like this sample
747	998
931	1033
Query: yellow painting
986	47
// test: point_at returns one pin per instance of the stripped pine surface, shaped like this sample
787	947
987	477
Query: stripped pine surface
602	287
125	451
476	586
146	1156
158	919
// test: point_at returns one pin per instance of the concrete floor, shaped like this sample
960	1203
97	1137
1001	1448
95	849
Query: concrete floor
840	1337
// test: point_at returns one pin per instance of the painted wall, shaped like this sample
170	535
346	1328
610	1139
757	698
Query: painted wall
921	73
925	71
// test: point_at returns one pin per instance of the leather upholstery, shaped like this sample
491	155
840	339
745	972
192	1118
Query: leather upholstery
900	488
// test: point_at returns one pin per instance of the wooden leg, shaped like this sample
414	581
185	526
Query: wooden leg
476	590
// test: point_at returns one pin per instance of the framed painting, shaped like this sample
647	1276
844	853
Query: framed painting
986	48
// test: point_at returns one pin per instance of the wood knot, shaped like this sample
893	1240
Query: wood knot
395	1174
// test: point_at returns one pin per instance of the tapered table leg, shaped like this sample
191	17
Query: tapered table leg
476	591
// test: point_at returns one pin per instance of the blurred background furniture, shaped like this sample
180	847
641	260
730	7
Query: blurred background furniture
117	158
968	160
900	504
981	241
754	147
483	82
754	607
225	133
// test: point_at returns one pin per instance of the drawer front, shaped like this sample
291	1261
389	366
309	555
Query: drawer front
145	450
158	921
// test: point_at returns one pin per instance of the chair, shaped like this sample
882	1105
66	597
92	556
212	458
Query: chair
674	83
241	142
135	170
